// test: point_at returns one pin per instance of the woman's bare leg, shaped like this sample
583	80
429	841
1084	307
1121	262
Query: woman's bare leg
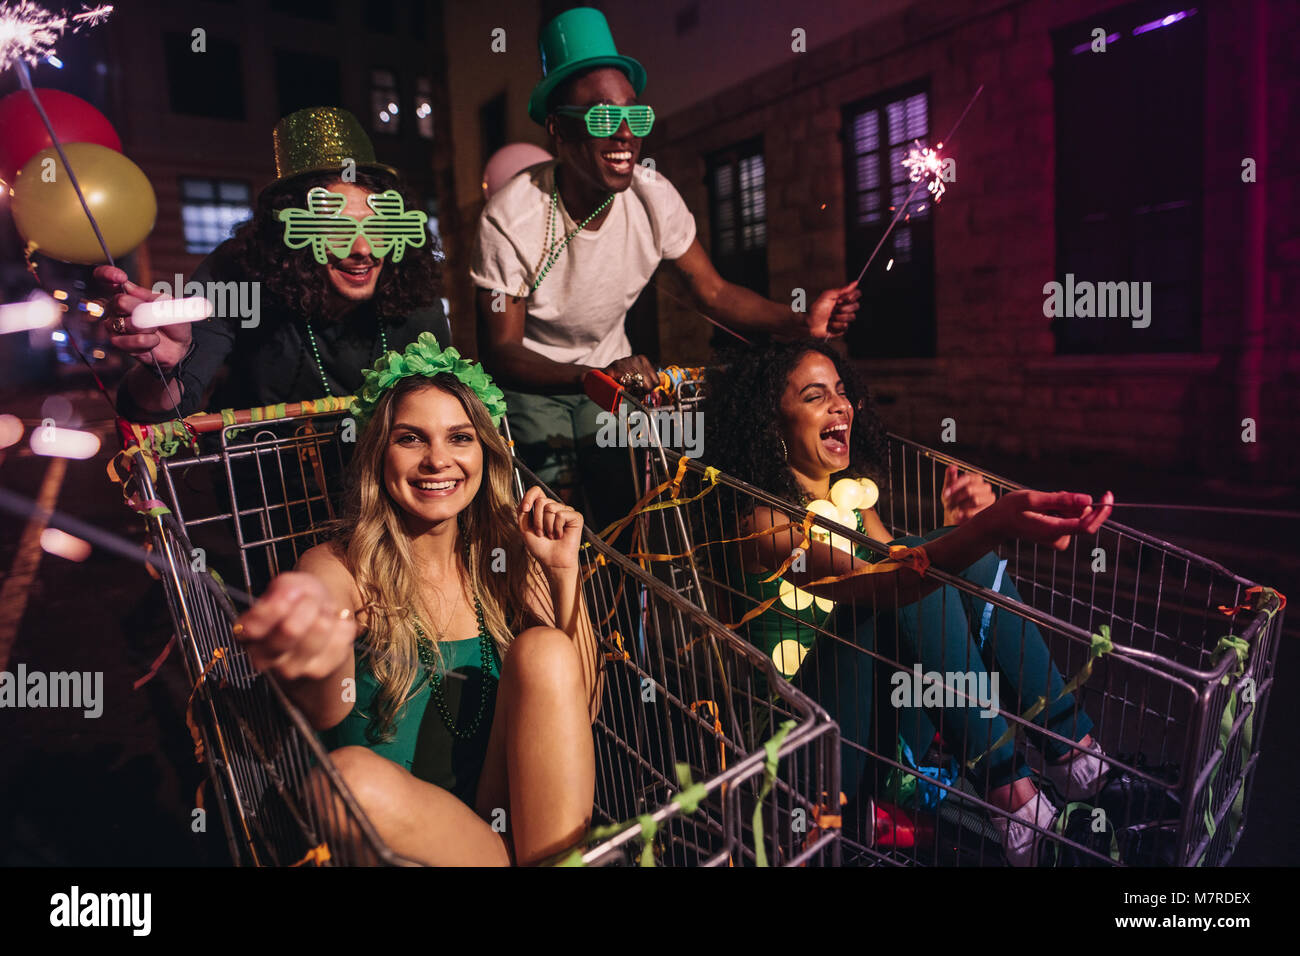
416	819
541	761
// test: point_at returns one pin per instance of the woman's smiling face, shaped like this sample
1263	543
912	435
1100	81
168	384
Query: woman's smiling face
433	465
816	418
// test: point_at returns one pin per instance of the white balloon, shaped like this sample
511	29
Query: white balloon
793	597
870	493
823	509
847	494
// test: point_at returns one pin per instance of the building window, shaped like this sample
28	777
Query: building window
305	79
210	209
384	115
424	107
492	126
1128	203
738	214
207	84
900	284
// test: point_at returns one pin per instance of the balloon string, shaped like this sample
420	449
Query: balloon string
25	78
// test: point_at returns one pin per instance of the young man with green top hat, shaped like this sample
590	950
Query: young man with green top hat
565	248
326	309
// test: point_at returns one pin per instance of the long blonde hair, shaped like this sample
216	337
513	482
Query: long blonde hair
377	549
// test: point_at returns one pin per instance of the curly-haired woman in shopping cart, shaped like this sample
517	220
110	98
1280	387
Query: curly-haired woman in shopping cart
453	618
787	418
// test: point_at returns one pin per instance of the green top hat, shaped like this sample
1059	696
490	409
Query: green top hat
320	138
577	40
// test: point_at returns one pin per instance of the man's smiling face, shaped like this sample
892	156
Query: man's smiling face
353	279
606	162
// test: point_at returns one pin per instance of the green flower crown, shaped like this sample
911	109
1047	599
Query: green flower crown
425	357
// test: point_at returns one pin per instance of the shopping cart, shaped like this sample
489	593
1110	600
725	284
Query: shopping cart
1172	656
698	763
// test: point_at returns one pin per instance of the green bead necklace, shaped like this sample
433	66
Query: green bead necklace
429	660
320	368
554	255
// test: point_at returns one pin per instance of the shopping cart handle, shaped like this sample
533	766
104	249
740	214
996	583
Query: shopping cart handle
602	389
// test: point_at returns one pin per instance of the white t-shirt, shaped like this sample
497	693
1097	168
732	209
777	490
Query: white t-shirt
576	315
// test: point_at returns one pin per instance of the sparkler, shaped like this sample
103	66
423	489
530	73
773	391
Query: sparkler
28	31
22	507
923	167
926	163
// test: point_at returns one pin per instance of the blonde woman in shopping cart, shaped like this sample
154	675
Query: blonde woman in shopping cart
453	618
787	419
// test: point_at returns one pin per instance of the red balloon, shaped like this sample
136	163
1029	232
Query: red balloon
73	119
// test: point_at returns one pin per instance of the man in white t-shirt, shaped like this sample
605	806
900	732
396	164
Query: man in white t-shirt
565	247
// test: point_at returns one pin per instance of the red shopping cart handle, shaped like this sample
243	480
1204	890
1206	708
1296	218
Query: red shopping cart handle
602	390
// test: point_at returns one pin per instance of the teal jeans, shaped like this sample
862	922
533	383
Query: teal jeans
942	633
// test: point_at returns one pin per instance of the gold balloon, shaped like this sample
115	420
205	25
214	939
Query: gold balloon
47	212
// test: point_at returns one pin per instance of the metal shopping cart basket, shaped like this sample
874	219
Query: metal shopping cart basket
1171	655
698	763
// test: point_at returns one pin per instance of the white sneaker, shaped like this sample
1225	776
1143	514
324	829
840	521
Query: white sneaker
1019	842
1082	777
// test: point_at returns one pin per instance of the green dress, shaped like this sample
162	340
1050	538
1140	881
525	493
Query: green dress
787	631
421	741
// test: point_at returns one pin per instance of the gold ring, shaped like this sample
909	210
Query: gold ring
238	628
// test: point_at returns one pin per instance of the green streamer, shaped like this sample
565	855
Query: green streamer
1101	645
773	749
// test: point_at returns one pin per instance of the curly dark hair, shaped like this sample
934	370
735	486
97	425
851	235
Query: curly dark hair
742	415
292	278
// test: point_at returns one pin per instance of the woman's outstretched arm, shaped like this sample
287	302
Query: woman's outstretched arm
303	629
1034	516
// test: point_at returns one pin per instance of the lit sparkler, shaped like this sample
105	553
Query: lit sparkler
930	166
926	163
28	31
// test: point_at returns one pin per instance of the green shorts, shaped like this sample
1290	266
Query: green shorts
555	436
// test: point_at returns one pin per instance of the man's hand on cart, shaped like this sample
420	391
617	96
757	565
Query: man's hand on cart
964	496
634	373
1046	517
552	531
297	630
168	343
833	311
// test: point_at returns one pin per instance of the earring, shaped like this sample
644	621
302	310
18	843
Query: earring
785	452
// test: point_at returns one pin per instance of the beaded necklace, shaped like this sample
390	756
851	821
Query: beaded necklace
428	658
320	367
554	252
